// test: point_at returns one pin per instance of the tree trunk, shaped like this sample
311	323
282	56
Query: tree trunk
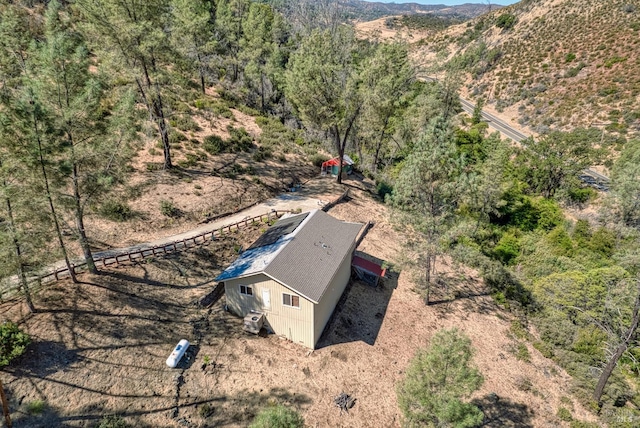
54	215
376	156
156	109
341	143
200	70
262	91
427	278
82	234
24	284
5	406
164	134
341	161
627	339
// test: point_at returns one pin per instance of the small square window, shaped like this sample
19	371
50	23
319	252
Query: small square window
246	290
290	300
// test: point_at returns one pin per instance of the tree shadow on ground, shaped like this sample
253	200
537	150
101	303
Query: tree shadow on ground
215	410
454	291
501	412
359	314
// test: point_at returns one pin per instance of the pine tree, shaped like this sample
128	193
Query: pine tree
437	381
263	53
14	41
91	151
132	37
193	34
230	15
427	194
323	84
386	80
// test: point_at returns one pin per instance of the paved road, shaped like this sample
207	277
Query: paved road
495	122
517	136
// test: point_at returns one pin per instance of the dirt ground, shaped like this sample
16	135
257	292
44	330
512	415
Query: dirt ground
99	348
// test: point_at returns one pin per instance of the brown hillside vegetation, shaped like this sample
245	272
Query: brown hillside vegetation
100	348
564	63
205	184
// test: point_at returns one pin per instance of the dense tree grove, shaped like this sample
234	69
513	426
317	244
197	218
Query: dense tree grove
82	82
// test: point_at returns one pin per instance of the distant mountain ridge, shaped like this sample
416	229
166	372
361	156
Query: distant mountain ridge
364	11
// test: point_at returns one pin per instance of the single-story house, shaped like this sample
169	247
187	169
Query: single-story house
294	274
332	166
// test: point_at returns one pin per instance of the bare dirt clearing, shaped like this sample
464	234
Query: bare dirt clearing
100	348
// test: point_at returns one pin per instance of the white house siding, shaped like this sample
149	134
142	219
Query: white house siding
323	310
296	324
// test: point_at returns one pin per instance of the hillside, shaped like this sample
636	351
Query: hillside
364	11
123	127
552	63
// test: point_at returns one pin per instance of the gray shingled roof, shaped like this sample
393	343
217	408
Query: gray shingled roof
309	260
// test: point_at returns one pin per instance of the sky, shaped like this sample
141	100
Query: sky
448	2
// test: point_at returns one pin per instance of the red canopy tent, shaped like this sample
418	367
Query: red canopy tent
332	166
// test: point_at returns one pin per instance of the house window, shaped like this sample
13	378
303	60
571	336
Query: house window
290	300
247	290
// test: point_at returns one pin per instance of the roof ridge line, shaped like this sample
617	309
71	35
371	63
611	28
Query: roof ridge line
290	237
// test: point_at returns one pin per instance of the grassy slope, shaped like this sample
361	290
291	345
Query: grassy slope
565	63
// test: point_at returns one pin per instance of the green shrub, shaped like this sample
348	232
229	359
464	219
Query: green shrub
614	60
519	330
112	421
507	249
560	241
506	21
248	110
262	153
581	195
274	133
116	211
603	241
221	110
239	139
544	348
184	123
278	417
383	189
550	214
522	353
36	407
13	343
214	144
176	137
589	341
201	104
168	209
564	414
154	166
190	161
